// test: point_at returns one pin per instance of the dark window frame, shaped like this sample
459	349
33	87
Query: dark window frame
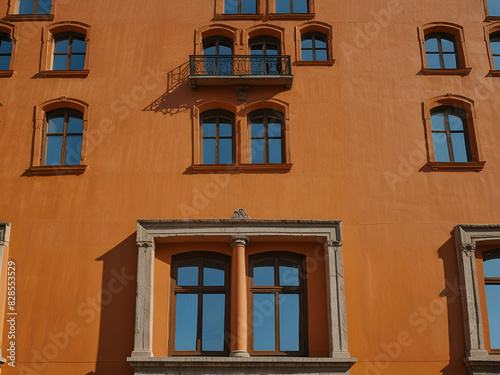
218	113
266	114
200	256
439	36
66	112
71	35
301	289
314	34
446	110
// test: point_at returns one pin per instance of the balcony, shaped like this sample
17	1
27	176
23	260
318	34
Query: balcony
212	70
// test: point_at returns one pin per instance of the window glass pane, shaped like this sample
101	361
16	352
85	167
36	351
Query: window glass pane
459	150
54	148
56	124
26	6
187	273
4	62
431	45
225	128
283	6
264	311
225	49
274	129
433	61
300	6
493	303
43	6
231	6
213	273
209	127
5	44
263	272
440	147
225	151
450	61
492	267
456	123
274	150
320	42
307	41
256	49
289	322
73	149
321	55
496	62
437	121
257	151
209	49
495	45
249	6
288	273
307	55
447	45
272	50
257	127
212	337
494	8
77	62
79	45
75	125
62	45
60	62
209	151
186	321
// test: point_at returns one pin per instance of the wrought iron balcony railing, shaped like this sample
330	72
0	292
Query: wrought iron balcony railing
240	69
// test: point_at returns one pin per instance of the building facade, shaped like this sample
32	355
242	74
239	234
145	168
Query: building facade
250	187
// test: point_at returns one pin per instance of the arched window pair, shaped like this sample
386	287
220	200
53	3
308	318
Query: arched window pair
218	146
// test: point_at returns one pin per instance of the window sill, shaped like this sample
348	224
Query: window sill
49	170
64	73
446	72
492	18
247	365
483	366
30	17
495	73
315	63
471	165
239	16
241	168
6	73
291	16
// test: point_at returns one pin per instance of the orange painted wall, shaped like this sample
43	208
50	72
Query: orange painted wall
357	144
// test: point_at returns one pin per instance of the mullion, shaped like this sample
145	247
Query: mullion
70	45
266	140
448	136
440	51
217	119
35	3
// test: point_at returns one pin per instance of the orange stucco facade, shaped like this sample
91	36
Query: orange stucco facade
356	140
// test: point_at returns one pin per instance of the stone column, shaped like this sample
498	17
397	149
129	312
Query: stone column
239	292
143	340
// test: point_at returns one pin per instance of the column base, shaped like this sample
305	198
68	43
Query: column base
239	353
141	354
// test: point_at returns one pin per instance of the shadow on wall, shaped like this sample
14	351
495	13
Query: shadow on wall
169	103
117	310
453	307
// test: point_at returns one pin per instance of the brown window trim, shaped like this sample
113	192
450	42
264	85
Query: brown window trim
6	73
301	289
200	290
64	73
471	165
52	170
446	72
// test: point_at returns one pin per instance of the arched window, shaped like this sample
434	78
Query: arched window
495	50
35	6
267	136
491	270
69	51
262	50
292	6
441	51
201	305
213	49
217	133
5	51
278	300
240	6
62	137
449	134
314	47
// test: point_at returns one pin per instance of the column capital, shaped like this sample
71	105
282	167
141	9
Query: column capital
239	241
146	244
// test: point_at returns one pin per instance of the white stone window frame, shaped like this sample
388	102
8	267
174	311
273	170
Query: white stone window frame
467	239
328	233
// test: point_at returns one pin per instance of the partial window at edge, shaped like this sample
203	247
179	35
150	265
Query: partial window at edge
491	269
494	8
240	6
292	6
35	6
5	51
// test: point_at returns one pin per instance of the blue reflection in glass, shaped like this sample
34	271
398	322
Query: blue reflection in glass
257	151
43	6
263	272
54	150
491	267
289	322
456	123
77	62
459	149
209	151
79	45
73	149
213	322
431	45
307	55
275	151
5	44
213	273
257	128
248	6
433	61
225	151
62	45
274	129
209	128
231	7
437	121
264	337
4	62
321	55
186	321
440	147
26	6
75	125
56	125
283	6
450	61
187	274
225	128
288	273
306	41
60	62
300	6
493	303
447	45
494	8
495	45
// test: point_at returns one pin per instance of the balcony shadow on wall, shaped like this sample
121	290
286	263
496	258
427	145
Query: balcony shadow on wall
174	99
453	307
117	310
